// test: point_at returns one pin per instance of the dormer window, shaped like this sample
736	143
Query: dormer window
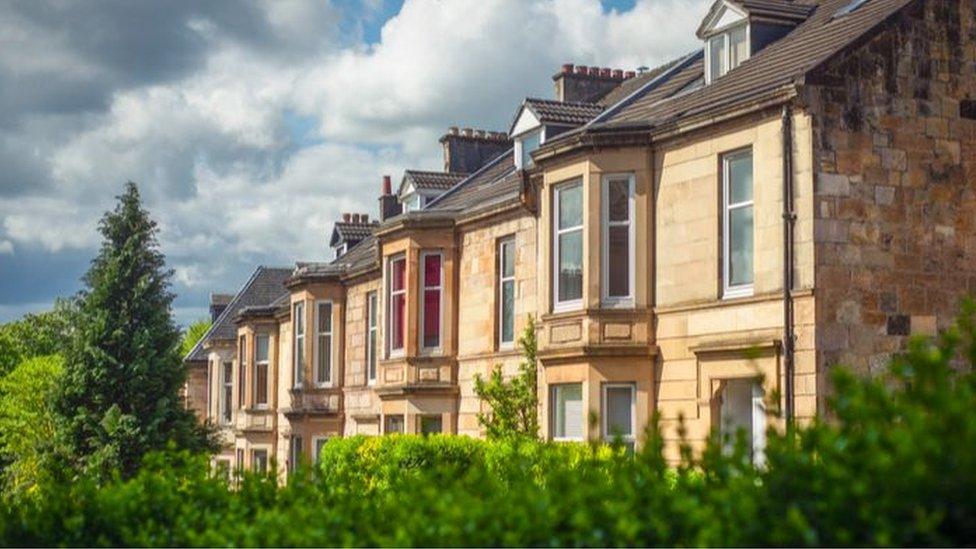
726	51
525	145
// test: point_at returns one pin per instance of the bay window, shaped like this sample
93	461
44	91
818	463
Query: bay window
568	246
737	241
261	344
298	319
430	315
618	239
506	292
397	301
371	318
323	343
566	411
618	413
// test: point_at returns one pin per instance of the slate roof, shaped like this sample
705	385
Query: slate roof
487	184
263	288
566	113
431	180
347	231
781	64
358	257
631	85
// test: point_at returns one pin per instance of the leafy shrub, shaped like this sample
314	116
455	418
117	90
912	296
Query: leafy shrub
893	465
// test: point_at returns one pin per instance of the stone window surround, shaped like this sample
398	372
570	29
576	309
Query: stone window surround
574	304
316	350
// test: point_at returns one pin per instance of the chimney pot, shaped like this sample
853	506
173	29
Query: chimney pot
581	69
630	74
467	132
605	72
594	71
346	217
387	186
618	74
365	218
568	68
453	130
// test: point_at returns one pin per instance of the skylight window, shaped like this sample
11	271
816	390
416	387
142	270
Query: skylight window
853	5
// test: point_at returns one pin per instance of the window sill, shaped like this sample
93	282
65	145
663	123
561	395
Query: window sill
568	307
738	292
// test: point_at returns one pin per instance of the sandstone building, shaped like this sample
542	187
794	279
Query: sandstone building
706	240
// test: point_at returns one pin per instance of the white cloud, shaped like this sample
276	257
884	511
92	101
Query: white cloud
232	188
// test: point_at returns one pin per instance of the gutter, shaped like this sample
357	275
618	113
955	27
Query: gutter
789	223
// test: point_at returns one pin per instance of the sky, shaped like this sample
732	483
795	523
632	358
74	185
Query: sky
250	126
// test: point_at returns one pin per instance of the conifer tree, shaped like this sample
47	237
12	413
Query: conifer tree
120	396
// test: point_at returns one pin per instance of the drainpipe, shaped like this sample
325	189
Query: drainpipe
789	221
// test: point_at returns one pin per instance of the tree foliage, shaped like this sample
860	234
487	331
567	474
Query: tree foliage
123	373
193	334
513	403
28	425
35	335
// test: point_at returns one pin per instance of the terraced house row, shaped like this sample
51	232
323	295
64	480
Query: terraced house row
706	239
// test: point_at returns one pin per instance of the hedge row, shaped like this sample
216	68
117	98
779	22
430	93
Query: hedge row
893	466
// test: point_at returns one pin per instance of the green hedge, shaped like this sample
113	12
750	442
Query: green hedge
894	465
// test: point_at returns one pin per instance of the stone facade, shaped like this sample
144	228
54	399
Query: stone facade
882	139
895	203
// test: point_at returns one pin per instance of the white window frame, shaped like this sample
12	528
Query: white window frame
315	443
605	416
423	300
739	290
552	412
267	373
298	342
541	130
605	224
573	304
390	294
226	397
329	382
372	329
502	279
726	36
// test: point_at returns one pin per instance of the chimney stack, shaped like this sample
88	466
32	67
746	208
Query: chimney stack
346	217
389	205
580	83
467	149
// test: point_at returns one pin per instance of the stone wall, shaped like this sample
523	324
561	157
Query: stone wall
360	400
478	305
895	203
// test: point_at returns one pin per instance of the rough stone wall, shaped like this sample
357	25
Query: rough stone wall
895	198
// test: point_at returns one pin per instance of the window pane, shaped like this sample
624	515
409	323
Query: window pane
261	383
299	317
508	311
568	410
228	373
739	46
618	199
570	266
619	411
393	424
618	264
396	338
324	370
319	444
262	348
372	309
508	258
432	270
736	411
325	317
430	425
740	179
432	318
529	144
372	355
299	361
570	206
740	246
716	52
398	267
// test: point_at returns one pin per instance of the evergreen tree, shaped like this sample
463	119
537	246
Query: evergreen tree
120	397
